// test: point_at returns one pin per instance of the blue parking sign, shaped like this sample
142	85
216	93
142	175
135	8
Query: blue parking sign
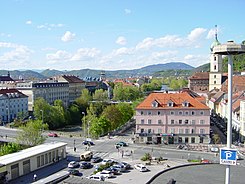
228	156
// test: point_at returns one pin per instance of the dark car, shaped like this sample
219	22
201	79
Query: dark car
85	165
122	144
96	159
74	172
88	143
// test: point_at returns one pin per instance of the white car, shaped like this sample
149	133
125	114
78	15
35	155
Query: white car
73	164
105	161
140	167
105	173
96	177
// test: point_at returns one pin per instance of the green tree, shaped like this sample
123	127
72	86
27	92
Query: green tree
100	95
114	116
31	133
99	126
126	111
9	148
73	114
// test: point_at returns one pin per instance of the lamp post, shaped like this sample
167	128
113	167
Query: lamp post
84	126
42	118
230	48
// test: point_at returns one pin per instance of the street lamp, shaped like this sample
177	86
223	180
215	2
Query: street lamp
230	48
84	126
42	118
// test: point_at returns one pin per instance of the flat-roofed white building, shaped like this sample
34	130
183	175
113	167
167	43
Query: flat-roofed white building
23	162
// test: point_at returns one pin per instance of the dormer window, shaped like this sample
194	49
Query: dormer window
185	104
170	104
154	104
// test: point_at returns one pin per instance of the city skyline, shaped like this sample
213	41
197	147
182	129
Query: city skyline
113	35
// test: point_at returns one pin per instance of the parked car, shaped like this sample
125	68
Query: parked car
86	165
105	173
88	143
126	165
74	172
73	164
96	159
52	134
120	167
105	161
140	167
114	170
122	144
96	177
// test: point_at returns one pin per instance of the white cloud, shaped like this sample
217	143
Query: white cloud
145	44
127	11
163	54
196	34
68	36
59	55
122	51
50	26
121	40
211	33
85	54
15	56
28	22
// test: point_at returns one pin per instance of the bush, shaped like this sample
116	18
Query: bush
146	157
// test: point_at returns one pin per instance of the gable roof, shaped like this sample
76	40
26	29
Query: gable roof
177	98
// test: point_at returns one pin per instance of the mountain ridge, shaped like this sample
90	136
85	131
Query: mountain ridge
83	73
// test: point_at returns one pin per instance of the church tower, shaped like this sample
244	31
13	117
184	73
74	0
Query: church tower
215	74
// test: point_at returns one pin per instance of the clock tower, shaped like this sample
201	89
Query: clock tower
215	74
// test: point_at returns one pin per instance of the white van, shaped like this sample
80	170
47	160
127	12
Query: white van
87	155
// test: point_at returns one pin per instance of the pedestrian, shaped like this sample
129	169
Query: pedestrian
34	177
122	153
75	149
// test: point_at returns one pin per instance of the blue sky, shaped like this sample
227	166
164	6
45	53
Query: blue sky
113	34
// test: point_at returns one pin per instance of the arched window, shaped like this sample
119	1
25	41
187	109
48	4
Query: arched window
215	67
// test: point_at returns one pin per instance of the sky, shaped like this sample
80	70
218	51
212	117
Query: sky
114	34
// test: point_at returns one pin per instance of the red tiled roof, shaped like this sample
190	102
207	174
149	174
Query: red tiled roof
177	98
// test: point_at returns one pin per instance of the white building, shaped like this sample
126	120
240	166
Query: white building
49	91
23	162
12	104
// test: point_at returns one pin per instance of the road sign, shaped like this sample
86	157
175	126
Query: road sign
228	156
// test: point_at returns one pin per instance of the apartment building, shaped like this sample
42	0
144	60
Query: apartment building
76	85
48	90
173	118
12	104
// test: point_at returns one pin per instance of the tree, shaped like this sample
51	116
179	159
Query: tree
114	116
126	111
31	133
9	148
73	115
100	95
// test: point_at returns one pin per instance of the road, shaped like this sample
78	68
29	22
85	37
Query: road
105	148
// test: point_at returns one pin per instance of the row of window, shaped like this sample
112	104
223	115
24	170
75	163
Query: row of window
174	130
174	122
47	158
187	113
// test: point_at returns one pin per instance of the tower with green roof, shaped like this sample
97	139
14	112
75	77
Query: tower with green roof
215	74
